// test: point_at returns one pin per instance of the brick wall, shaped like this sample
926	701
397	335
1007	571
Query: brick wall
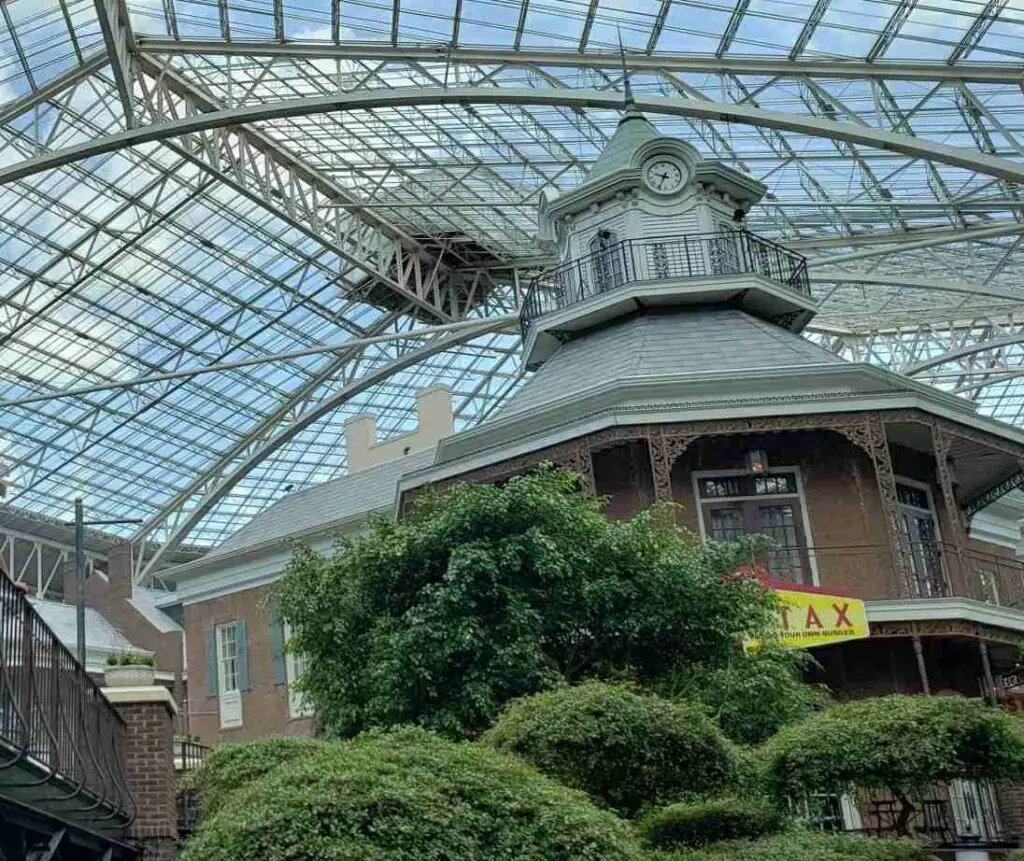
111	598
149	770
265	704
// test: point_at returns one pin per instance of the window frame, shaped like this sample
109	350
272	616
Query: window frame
800	496
291	675
219	640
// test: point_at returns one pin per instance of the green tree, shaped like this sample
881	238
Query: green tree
625	750
407	795
488	593
901	744
751	695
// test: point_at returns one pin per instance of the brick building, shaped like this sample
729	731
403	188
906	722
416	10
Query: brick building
668	365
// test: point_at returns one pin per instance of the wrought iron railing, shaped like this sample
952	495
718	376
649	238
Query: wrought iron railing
914	569
61	742
961	813
188	754
659	258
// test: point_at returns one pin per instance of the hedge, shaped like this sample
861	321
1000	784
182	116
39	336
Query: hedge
709	821
625	750
232	766
802	845
408	795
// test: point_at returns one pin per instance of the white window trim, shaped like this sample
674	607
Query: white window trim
801	495
290	677
920	485
218	639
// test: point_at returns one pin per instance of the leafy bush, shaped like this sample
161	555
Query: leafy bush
753	695
227	768
896	743
409	795
489	593
709	821
801	845
625	750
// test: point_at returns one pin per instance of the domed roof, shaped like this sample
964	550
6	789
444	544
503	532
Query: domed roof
633	132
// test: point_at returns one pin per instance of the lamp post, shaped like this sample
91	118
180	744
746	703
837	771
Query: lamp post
80	524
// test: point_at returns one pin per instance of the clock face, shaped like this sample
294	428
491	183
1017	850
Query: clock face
664	175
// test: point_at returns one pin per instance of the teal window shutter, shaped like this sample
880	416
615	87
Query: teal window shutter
211	661
277	649
243	657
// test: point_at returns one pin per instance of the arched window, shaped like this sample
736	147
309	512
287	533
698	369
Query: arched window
606	261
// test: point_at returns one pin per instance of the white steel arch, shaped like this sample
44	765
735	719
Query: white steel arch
995	166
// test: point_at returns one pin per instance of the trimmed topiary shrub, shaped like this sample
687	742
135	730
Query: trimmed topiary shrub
709	821
802	845
625	750
409	795
227	768
901	744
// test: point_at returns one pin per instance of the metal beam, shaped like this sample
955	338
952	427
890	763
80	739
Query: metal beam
223	486
962	352
658	26
976	32
400	97
810	25
931	284
117	36
932	242
731	28
52	88
841	69
891	29
511	320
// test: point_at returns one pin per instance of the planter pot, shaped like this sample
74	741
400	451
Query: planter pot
134	676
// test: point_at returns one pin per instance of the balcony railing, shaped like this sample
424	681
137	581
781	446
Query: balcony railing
660	258
961	813
927	569
61	742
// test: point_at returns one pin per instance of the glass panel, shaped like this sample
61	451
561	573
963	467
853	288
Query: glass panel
915	497
727	524
227	649
770	484
785	562
723	486
921	554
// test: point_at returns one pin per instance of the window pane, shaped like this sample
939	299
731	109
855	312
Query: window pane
767	484
727	524
227	650
913	496
723	486
785	562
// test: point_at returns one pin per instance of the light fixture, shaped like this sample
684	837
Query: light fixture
757	462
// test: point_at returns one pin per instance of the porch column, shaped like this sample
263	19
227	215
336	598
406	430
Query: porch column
941	444
876	444
921	668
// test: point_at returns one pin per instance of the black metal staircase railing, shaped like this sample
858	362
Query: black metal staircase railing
61	741
660	258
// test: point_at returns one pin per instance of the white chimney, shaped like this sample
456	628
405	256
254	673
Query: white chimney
435	421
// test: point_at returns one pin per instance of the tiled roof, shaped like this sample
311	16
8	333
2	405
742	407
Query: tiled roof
360	493
665	345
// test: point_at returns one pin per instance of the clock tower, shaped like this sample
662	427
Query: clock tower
656	224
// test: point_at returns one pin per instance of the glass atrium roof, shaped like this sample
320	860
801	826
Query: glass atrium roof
193	183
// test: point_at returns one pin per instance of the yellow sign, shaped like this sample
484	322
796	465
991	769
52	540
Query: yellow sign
808	619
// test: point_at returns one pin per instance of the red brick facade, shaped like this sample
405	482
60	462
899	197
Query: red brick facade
265	704
149	770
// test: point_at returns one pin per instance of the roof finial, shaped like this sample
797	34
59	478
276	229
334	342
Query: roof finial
629	104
